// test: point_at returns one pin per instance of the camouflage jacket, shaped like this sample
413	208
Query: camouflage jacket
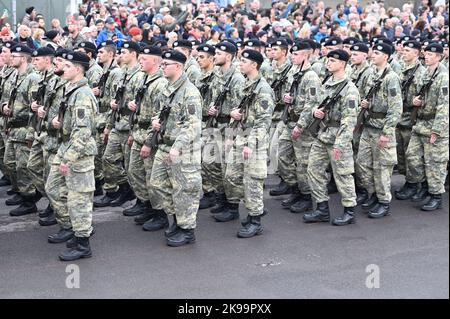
278	95
192	70
203	83
94	73
266	69
433	116
7	75
340	120
72	43
361	76
395	64
107	95
51	143
386	106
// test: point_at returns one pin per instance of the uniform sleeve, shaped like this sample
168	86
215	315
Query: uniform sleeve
310	87
395	105
264	106
440	123
349	105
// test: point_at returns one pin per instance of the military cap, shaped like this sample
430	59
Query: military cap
444	44
339	54
61	52
195	42
313	44
253	55
51	34
383	40
279	43
350	40
226	47
44	51
412	44
239	44
383	47
405	38
174	56
253	43
434	47
21	48
77	57
332	41
10	44
160	43
360	47
88	46
183	44
105	44
300	46
151	50
206	48
131	45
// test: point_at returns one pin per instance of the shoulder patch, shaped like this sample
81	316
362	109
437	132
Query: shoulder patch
352	104
264	104
393	92
80	114
445	90
191	109
313	91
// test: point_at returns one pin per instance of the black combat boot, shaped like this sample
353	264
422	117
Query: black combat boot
157	222
181	237
139	208
232	212
221	203
12	191
49	220
434	203
292	199
106	199
15	200
82	250
332	187
99	187
37	196
126	194
4	181
321	214
146	215
46	212
362	195
251	228
28	206
208	200
347	218
72	242
407	191
370	202
282	189
173	228
61	236
302	205
421	194
380	210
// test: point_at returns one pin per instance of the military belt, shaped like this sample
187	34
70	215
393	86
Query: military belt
377	115
279	107
293	117
332	123
167	141
103	109
144	125
205	118
223	119
17	124
426	117
125	111
52	133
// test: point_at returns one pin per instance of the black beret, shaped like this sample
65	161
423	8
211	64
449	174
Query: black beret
339	54
313	44
227	47
350	40
332	41
21	48
105	44
300	46
161	43
239	44
360	47
182	44
44	51
77	57
405	38
151	50
61	52
412	44
174	56
195	42
444	44
88	46
383	40
253	43
434	47
10	44
253	55
29	10
51	34
131	45
206	48
279	43
261	33
383	47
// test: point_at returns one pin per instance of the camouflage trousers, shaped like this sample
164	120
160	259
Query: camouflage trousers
355	142
72	196
36	165
101	145
213	161
428	162
402	136
16	160
293	159
115	160
375	165
176	188
244	179
139	172
320	157
2	154
274	137
10	168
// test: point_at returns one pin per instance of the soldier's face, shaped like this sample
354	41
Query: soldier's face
358	57
170	68
334	65
346	48
40	63
378	57
148	61
278	53
298	57
432	58
410	54
204	60
246	65
17	60
6	55
70	70
59	64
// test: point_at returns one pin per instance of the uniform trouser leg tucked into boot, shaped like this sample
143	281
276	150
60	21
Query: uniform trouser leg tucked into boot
137	173
56	190
9	161
36	166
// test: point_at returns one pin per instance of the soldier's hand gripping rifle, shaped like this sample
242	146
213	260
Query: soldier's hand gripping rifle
373	90
138	100
243	107
157	136
314	127
407	83
61	111
278	83
423	90
292	93
102	82
120	100
39	98
205	87
218	104
12	98
47	104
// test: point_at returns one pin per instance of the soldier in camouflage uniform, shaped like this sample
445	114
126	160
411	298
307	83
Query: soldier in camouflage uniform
334	143
176	182
70	185
227	86
19	134
301	97
104	92
247	165
141	159
42	61
427	153
266	68
377	148
411	76
117	153
95	71
191	67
